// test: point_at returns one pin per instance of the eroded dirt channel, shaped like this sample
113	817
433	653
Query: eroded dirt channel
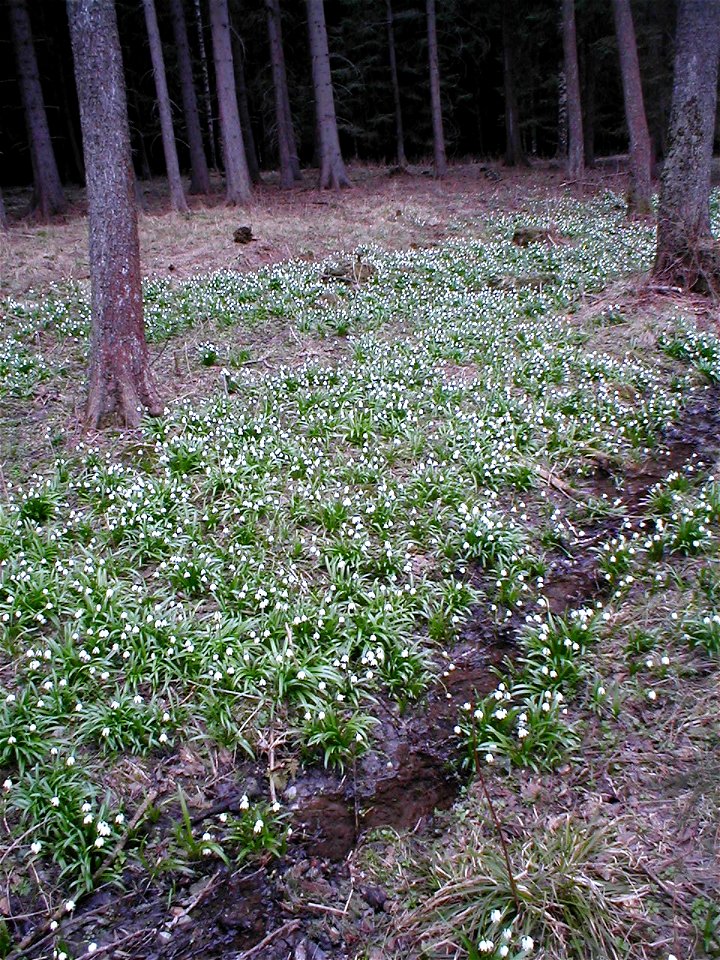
272	910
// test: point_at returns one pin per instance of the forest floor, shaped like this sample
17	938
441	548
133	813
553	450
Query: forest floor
424	500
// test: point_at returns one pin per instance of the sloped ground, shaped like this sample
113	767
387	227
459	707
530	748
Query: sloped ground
243	642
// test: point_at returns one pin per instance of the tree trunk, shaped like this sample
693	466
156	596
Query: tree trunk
244	108
287	151
199	176
399	136
48	188
437	121
640	194
206	83
120	380
576	153
237	176
687	255
588	99
514	153
177	196
332	167
3	215
562	144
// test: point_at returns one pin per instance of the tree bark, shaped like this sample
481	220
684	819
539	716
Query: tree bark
576	152
287	150
199	176
244	108
177	195
640	193
588	99
435	102
206	83
237	175
48	187
120	379
514	153
399	135
3	215
687	256
332	167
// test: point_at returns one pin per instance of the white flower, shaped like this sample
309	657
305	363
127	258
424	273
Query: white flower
527	943
55	801
92	947
69	905
36	847
258	826
7	784
495	916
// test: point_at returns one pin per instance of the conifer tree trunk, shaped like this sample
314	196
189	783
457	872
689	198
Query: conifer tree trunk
640	194
120	380
576	151
332	167
206	83
436	104
399	135
199	176
244	108
514	153
287	151
49	194
177	196
237	175
687	255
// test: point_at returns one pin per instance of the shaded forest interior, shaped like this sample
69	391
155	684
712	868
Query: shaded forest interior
474	42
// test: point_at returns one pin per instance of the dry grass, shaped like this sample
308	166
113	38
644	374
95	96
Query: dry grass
392	211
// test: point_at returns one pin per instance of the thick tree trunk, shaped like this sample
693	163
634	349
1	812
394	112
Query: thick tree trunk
237	175
640	194
562	144
576	152
244	108
199	176
514	153
206	83
48	188
177	196
332	167
287	151
399	135
435	102
687	255
120	380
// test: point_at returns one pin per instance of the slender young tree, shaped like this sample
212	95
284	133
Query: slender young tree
199	176
435	102
514	153
687	255
49	195
120	379
244	107
640	193
177	195
237	175
332	166
576	151
287	151
399	134
206	82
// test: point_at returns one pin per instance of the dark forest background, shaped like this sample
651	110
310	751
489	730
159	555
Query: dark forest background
471	65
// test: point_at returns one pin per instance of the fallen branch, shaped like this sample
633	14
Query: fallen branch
278	932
